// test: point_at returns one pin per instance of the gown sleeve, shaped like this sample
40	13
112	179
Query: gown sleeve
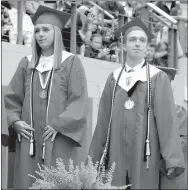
72	122
165	115
100	133
15	93
4	128
182	124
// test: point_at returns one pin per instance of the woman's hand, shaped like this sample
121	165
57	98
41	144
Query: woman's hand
49	131
22	129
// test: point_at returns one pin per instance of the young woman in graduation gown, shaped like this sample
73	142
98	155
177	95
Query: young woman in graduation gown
46	102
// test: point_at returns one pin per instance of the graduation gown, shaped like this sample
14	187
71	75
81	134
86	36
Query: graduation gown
4	128
128	131
181	181
67	114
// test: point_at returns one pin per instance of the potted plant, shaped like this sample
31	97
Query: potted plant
84	176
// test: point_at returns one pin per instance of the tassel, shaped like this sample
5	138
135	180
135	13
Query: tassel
43	151
102	161
147	162
148	153
19	137
31	148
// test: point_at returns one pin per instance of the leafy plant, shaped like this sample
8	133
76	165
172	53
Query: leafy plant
84	176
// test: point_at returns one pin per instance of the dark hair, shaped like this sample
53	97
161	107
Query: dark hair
5	4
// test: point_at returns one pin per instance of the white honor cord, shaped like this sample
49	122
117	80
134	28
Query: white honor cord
43	85
31	150
103	157
148	151
47	111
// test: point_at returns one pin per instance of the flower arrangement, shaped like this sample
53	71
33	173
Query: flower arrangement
84	176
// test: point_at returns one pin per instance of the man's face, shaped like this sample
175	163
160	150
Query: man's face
136	44
96	42
150	52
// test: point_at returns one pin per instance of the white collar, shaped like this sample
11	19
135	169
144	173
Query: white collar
135	68
45	63
65	56
139	75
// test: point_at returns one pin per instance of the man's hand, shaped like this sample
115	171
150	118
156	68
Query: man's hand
49	131
22	129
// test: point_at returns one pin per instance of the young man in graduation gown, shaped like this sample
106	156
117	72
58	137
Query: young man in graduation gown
46	102
135	144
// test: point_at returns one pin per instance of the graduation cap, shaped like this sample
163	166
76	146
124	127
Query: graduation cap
5	4
134	24
50	1
171	72
46	15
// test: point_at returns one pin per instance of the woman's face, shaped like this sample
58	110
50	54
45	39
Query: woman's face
44	34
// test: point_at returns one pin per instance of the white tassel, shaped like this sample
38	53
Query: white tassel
43	151
147	162
148	153
31	148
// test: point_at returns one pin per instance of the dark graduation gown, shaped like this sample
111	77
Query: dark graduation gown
67	114
4	128
181	181
128	133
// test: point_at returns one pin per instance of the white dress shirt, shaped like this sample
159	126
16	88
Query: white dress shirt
137	67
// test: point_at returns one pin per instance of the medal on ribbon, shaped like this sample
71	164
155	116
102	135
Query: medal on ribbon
129	104
43	92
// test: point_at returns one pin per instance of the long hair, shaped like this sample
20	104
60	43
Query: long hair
58	48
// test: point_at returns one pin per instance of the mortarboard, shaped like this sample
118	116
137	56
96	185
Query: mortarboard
46	15
134	24
5	4
171	72
50	1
